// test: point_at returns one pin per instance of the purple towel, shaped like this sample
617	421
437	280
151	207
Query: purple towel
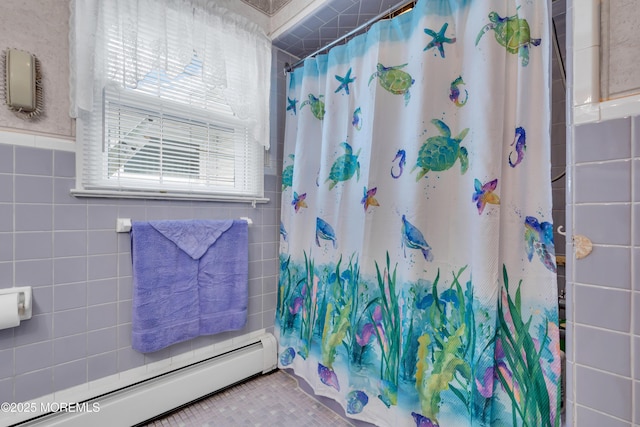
190	278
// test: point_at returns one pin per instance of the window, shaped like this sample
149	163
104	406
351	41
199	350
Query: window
175	102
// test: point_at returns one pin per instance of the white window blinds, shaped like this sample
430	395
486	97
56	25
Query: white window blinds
175	100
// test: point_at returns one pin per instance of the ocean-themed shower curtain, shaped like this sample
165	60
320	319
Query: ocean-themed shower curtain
417	281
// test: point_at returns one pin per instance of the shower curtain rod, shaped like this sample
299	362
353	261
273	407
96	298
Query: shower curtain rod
397	7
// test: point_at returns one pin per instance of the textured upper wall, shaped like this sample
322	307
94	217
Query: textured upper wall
620	48
244	8
268	7
40	27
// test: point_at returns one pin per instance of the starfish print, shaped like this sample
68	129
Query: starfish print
292	104
439	39
344	82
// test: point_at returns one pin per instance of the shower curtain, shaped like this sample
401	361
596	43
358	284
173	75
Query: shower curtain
417	281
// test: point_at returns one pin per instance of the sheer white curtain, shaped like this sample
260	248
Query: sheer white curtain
235	53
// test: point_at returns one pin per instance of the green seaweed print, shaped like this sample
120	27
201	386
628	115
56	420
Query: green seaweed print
360	302
287	309
387	329
525	367
309	314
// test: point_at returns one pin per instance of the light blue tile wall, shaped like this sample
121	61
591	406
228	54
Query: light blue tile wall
80	270
605	295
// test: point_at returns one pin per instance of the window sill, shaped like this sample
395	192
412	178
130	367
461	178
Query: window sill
167	196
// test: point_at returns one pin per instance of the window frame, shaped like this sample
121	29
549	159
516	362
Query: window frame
246	160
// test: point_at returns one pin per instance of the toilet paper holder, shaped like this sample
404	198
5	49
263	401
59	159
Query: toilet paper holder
24	300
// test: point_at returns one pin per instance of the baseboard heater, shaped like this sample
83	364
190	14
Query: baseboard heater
143	401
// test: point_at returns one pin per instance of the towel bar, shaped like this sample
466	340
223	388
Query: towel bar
123	225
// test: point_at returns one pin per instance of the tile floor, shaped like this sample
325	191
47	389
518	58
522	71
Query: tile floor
273	400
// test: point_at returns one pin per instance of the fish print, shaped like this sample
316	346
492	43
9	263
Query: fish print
538	238
299	201
368	199
439	39
356	401
484	193
344	82
283	231
357	119
454	92
328	377
422	421
325	231
412	238
520	141
287	356
401	156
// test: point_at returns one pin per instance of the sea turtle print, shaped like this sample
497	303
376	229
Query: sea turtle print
317	105
344	167
511	32
439	153
394	80
287	174
538	238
